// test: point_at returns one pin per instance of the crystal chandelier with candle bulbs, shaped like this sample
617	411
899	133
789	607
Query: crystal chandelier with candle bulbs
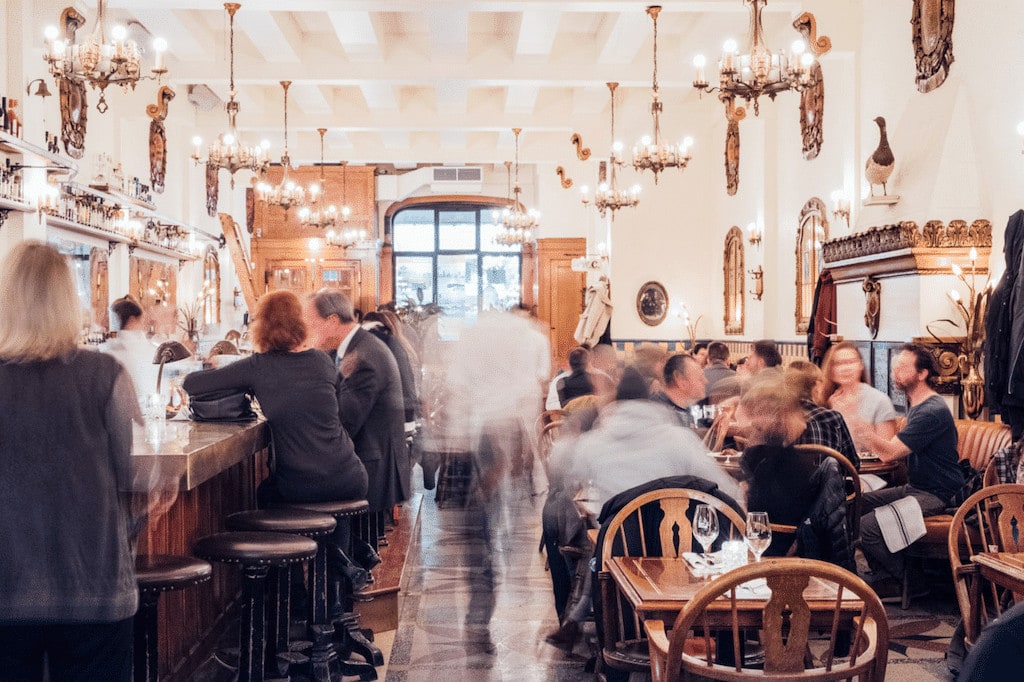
758	71
318	213
96	60
653	154
518	226
287	192
608	196
228	152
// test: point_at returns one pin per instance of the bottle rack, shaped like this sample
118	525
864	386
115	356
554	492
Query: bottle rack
117	217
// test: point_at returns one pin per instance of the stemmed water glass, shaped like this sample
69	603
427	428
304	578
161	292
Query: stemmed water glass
758	533
705	529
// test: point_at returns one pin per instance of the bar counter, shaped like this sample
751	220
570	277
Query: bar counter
219	465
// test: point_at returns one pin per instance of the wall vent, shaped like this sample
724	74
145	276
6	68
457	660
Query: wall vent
460	179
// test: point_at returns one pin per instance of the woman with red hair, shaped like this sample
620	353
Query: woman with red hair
314	459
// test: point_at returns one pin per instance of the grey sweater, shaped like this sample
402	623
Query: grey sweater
65	443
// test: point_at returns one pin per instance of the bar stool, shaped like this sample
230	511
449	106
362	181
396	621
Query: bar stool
255	553
156	573
316	527
346	624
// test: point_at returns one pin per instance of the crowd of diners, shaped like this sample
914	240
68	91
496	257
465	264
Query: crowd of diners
337	394
647	420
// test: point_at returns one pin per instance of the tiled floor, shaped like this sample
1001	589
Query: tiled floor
476	606
447	585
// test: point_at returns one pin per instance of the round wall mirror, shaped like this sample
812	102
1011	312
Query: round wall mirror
652	303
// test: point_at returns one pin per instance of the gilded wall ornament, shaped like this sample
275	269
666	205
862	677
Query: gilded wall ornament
812	99
872	304
932	27
158	138
212	190
582	153
906	235
652	303
566	182
73	103
733	115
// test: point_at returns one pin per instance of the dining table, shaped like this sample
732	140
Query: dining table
660	587
1005	569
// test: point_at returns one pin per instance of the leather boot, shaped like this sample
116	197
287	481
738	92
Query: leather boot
365	555
338	563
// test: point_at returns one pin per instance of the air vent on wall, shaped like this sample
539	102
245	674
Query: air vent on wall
460	179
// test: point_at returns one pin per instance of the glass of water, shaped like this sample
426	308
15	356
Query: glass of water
758	533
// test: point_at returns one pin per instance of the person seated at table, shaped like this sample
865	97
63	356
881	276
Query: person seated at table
298	391
578	382
722	382
634	441
928	442
684	383
824	426
778	476
846	390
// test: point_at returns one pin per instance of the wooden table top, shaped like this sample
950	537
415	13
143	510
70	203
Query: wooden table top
660	587
1003	568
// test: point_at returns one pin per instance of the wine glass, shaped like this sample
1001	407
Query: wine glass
705	529
758	533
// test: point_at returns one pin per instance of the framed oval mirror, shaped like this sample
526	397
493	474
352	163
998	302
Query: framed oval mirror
652	303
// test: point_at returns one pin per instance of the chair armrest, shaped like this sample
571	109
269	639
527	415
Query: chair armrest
657	640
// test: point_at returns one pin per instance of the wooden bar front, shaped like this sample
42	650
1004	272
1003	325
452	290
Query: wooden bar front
219	465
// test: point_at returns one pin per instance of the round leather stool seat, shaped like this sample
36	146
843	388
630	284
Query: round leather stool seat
255	549
297	521
337	509
163	572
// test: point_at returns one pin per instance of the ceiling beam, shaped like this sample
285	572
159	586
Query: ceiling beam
356	34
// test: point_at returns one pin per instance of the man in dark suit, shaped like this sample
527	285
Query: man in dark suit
372	408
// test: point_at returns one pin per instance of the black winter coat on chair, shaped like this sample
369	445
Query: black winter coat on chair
1004	333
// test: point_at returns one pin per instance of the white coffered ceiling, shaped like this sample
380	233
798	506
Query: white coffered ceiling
421	81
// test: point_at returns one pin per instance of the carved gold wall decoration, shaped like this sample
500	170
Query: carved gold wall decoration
872	304
582	153
734	272
158	138
758	275
212	190
733	115
812	100
906	235
73	103
932	27
566	182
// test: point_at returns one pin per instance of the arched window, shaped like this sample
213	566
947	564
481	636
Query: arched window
810	237
445	253
211	287
735	304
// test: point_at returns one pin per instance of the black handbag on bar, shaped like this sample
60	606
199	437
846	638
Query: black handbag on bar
222	406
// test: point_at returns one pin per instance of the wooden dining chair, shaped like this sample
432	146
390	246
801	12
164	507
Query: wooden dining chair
548	435
990	520
656	523
785	624
714	439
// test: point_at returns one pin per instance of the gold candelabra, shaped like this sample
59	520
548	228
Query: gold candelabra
972	311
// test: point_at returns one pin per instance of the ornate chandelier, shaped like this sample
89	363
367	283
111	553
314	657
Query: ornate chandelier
655	155
759	71
228	152
518	226
318	213
608	196
97	61
349	236
287	192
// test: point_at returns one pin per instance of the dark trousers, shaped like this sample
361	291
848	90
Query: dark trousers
882	562
78	652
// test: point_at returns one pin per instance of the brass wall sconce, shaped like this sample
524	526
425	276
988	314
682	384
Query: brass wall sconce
754	234
972	311
841	206
758	275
